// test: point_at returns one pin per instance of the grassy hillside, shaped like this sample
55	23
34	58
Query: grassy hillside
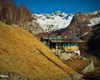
77	64
23	54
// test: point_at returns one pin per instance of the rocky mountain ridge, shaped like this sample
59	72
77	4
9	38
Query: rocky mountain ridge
81	24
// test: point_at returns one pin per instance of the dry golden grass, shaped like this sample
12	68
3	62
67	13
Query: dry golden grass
23	54
77	64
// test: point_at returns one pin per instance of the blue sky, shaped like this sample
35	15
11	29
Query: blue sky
68	6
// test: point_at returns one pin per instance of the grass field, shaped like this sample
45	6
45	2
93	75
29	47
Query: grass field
22	53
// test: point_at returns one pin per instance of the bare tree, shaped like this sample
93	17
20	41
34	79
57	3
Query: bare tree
10	13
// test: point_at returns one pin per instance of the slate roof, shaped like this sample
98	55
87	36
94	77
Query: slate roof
59	39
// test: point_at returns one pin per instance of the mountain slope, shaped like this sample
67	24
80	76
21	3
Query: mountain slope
93	42
82	23
23	54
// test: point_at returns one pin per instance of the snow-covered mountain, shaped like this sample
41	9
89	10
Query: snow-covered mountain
54	21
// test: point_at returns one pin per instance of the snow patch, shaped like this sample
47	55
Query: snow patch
94	21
